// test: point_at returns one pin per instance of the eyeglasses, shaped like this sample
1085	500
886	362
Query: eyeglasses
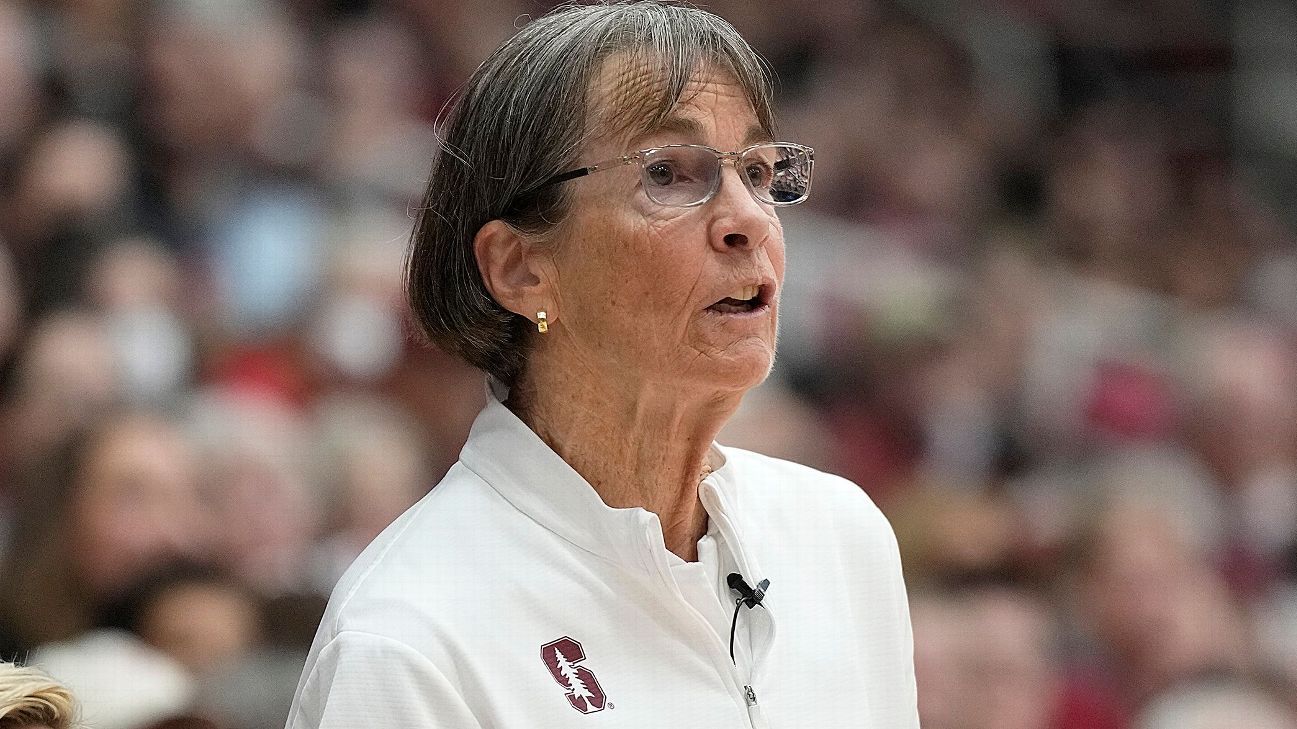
686	175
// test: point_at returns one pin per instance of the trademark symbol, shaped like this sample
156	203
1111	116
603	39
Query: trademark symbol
612	706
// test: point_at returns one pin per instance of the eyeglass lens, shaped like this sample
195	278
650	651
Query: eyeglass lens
778	174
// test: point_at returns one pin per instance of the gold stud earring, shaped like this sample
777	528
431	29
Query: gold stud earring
542	324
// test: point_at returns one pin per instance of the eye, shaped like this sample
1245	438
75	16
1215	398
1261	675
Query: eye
661	173
759	174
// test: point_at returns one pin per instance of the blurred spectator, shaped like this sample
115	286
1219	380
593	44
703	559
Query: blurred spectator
204	621
1110	192
987	657
1243	385
63	378
246	55
357	332
1150	604
72	185
253	460
948	536
225	164
378	144
117	502
76	169
137	285
369	461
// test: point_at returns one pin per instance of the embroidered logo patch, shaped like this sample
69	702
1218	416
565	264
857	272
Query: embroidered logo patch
583	690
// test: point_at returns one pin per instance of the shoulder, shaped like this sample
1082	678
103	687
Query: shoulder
365	679
802	497
414	575
784	482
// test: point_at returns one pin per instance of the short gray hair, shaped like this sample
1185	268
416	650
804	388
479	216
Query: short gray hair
521	119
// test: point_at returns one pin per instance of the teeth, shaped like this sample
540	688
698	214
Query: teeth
747	292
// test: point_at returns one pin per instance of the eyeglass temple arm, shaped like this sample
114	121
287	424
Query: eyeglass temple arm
570	175
583	171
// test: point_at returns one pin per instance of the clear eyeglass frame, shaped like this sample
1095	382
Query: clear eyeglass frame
782	166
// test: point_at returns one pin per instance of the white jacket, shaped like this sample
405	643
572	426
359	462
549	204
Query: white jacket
511	596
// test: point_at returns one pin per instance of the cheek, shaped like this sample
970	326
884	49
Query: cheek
627	266
777	251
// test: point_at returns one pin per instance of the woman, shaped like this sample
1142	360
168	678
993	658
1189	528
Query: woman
579	557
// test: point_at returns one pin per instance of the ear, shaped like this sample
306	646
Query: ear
512	269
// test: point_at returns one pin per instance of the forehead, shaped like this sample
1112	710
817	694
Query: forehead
631	97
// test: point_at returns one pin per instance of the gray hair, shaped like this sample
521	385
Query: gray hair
521	119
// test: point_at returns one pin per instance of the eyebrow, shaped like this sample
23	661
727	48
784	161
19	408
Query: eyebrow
681	125
691	128
756	133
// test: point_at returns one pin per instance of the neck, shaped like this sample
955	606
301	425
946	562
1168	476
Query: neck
639	445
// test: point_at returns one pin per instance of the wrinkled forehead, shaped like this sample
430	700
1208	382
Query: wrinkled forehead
636	94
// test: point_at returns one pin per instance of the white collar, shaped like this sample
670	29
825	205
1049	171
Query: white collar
527	473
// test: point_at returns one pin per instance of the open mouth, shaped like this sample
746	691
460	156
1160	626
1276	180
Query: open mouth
745	300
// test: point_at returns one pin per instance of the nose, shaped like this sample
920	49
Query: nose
738	220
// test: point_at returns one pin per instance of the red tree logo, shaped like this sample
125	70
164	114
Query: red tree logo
583	690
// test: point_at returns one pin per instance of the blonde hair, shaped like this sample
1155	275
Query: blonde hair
28	697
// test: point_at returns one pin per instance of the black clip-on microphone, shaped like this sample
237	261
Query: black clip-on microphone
747	596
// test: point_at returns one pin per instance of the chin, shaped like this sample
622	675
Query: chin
740	373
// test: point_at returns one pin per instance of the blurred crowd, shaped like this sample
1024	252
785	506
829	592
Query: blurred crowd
1041	306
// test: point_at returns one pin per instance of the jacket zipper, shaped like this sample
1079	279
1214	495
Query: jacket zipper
755	717
748	693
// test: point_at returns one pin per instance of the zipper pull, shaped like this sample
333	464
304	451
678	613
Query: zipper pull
751	695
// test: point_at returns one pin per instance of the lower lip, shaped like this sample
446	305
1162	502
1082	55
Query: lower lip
758	312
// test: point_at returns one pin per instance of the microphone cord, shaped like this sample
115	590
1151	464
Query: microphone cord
747	596
734	624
